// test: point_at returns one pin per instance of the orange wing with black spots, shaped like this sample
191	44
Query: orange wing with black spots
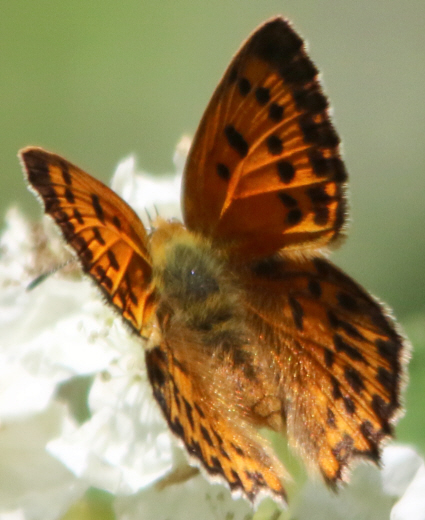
107	235
336	355
264	173
209	421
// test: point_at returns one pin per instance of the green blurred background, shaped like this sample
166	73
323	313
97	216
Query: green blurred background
96	81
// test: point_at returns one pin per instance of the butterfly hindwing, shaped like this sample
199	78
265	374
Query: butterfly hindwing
336	357
107	235
206	418
264	172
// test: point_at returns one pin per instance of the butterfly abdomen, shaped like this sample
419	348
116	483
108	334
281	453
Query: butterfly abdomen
193	280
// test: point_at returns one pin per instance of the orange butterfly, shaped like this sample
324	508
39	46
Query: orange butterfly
246	323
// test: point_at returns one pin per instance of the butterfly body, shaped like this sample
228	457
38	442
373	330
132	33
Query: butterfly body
248	325
200	294
192	278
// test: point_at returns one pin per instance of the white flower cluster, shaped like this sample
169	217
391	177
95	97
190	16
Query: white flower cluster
76	408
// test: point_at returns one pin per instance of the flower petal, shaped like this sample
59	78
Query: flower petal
32	480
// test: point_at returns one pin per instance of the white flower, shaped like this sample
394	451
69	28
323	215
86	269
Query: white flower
33	484
125	445
57	442
397	492
404	478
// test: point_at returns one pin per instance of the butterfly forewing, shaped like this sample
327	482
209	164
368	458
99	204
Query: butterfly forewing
336	356
107	235
264	172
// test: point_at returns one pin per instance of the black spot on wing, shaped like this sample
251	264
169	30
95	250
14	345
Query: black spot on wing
294	217
223	171
236	140
233	75
69	196
237	449
297	312
78	217
336	389
244	86
112	260
342	346
262	95
276	112
274	144
98	208
287	200
329	358
189	412
116	222
354	379
206	436
67	179
199	410
97	236
315	288
349	405
286	171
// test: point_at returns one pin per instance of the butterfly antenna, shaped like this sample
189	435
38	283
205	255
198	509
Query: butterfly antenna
156	210
43	276
149	218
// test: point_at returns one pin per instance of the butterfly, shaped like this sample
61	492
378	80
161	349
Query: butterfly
246	323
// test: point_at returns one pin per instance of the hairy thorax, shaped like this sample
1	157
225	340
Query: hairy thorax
195	285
